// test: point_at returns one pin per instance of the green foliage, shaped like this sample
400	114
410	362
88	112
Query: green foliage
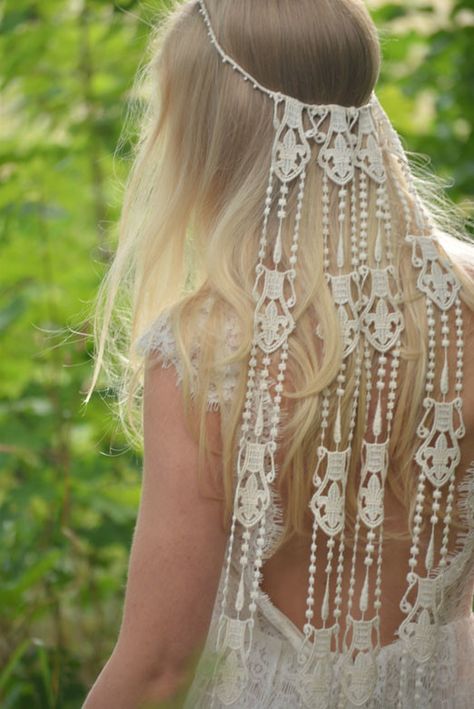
69	490
427	81
68	494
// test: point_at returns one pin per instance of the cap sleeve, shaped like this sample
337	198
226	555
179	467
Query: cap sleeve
159	340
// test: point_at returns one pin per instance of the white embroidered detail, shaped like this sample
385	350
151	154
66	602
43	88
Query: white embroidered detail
291	150
420	627
359	669
253	495
273	329
346	292
368	154
439	284
439	454
373	474
231	669
315	689
381	319
327	503
336	155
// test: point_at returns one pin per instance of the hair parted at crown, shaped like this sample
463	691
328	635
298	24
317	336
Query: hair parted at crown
347	144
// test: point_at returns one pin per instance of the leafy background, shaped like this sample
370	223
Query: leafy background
69	488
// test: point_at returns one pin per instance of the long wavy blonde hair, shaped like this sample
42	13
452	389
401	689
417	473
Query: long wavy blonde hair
191	222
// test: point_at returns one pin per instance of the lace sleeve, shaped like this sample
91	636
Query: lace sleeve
159	340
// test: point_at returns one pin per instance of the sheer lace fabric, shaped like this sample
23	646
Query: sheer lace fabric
446	680
159	339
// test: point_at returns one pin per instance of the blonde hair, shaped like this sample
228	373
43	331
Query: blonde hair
191	221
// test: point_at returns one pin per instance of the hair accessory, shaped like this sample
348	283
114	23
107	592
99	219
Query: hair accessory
348	144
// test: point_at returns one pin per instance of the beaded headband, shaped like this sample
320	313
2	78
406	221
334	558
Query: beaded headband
351	142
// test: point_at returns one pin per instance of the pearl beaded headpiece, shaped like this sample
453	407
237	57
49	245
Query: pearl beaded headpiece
350	144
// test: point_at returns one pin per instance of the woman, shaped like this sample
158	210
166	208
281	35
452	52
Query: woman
304	310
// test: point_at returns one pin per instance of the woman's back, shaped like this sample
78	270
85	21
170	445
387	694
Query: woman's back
444	678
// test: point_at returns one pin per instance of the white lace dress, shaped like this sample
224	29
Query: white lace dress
446	680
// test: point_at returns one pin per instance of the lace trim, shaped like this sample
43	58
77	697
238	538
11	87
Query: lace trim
159	339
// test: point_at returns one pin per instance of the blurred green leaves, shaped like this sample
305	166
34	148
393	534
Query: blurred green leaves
427	83
69	490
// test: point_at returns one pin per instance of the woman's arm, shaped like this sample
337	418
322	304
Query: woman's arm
175	562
